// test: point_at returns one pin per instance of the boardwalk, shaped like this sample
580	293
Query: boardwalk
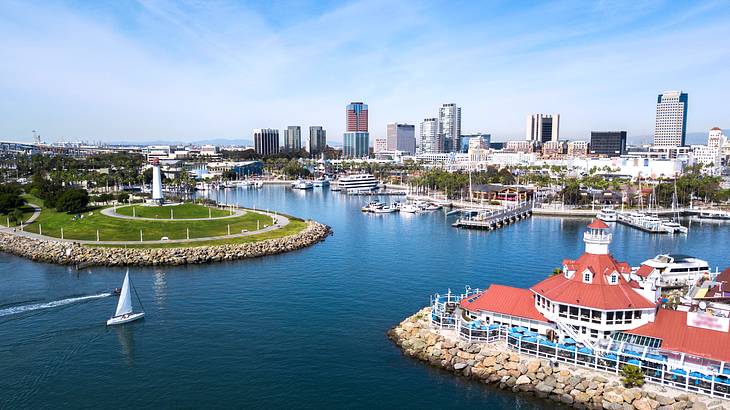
495	219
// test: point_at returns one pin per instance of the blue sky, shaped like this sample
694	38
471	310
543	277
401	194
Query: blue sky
142	70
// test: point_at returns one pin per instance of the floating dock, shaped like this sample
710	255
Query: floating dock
495	219
651	228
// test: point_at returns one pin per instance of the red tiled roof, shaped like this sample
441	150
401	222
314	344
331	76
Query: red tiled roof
671	326
506	300
644	270
599	294
598	224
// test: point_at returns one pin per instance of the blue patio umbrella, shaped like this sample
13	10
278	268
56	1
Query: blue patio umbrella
635	362
530	339
569	341
585	350
681	372
610	356
516	335
631	353
547	343
530	333
519	329
493	326
657	357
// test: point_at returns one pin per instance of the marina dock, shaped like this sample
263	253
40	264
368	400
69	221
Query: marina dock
491	220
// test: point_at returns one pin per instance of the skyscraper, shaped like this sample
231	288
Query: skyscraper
450	126
671	119
266	141
293	138
401	137
317	140
356	139
608	143
430	138
542	128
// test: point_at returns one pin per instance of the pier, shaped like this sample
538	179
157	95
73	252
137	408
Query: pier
491	220
655	227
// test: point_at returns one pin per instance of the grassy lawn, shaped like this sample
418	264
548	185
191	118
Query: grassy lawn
116	229
293	227
27	213
183	211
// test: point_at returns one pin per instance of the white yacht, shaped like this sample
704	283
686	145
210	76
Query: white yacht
410	208
673	270
358	182
607	215
715	214
321	182
387	209
302	184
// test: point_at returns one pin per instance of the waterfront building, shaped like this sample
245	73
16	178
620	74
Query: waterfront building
449	127
317	140
401	137
608	143
293	138
542	128
577	148
670	129
266	141
465	140
431	141
380	144
356	139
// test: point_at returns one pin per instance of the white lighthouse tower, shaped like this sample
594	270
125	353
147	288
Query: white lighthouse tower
156	181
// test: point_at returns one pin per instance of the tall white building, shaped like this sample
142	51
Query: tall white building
670	129
541	128
431	141
450	126
401	137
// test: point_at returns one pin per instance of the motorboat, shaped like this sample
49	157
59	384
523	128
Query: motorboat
372	206
387	209
302	184
124	312
674	227
433	207
410	208
607	215
321	182
714	214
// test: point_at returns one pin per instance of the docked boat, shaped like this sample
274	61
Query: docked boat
714	214
372	206
432	207
302	184
386	209
410	208
673	270
124	312
607	215
358	183
674	227
321	182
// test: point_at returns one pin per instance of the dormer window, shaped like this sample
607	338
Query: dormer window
614	278
587	277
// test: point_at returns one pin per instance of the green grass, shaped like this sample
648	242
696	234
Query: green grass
293	227
182	211
117	229
27	213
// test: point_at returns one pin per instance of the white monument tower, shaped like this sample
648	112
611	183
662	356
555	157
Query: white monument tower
156	181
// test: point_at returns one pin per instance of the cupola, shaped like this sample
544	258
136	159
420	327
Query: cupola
597	238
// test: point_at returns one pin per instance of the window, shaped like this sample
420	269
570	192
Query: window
614	279
587	277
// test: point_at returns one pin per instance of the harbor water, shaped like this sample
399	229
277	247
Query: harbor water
305	329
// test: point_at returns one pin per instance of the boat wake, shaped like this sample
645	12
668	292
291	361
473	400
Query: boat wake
48	305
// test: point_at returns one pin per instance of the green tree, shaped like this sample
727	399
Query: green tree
72	201
632	376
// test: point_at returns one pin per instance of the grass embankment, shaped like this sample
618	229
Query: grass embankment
182	211
27	213
117	229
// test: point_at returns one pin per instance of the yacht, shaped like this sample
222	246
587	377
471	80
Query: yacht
302	184
607	215
432	207
715	214
372	206
359	182
321	182
410	208
386	209
674	227
674	270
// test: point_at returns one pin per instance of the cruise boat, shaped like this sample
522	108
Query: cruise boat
302	184
321	182
358	182
607	215
673	270
715	214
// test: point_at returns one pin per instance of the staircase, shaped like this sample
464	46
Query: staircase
582	339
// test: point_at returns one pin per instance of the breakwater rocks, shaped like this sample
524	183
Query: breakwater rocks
496	364
68	253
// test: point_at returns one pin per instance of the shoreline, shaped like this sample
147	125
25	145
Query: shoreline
494	363
67	253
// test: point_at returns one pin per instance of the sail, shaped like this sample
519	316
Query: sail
125	299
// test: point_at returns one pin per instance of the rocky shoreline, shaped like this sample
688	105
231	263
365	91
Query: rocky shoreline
496	364
68	253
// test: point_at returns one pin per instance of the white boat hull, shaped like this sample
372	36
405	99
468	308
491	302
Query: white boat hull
118	320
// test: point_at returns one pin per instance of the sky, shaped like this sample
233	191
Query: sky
132	71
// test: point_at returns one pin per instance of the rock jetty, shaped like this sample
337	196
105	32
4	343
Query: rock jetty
69	253
573	386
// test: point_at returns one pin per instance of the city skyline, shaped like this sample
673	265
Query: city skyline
182	71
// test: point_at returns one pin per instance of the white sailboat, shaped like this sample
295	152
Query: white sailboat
124	313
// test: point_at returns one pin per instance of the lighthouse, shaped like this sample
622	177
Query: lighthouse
156	181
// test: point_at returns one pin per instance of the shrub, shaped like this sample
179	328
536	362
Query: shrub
632	376
72	201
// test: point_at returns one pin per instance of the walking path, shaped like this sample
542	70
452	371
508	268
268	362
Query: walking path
279	222
112	212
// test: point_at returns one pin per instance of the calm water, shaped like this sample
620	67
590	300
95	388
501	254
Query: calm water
301	330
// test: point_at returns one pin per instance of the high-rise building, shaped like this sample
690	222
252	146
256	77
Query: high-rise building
380	145
266	141
608	143
356	139
542	128
293	138
317	140
671	119
401	137
465	140
450	127
357	117
430	138
577	148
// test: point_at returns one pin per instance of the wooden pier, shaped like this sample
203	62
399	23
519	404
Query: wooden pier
495	219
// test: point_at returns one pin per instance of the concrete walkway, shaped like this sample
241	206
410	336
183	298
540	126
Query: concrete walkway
112	212
280	221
